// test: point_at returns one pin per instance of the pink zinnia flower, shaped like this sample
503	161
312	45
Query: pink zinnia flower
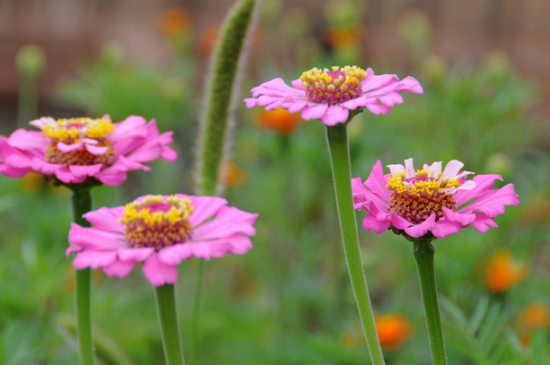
329	95
160	231
74	150
430	200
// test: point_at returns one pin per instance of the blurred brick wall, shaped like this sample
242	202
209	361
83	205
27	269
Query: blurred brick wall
69	29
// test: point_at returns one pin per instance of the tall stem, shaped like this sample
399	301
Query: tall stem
82	203
169	324
424	253
337	139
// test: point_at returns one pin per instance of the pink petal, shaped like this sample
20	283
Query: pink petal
315	111
94	259
130	165
134	254
377	182
375	82
94	238
13	172
452	168
173	255
459	217
370	222
444	228
353	104
85	171
240	244
42	122
18	161
131	128
334	115
43	167
391	99
169	154
493	202
94	150
66	176
377	109
204	207
297	84
227	222
159	273
26	140
483	222
483	183
146	153
422	228
399	222
113	175
70	147
106	219
395	169
118	268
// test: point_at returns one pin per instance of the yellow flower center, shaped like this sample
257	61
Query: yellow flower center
333	87
157	221
70	131
416	198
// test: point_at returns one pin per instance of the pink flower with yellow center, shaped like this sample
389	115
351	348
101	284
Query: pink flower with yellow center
329	95
160	231
76	149
430	200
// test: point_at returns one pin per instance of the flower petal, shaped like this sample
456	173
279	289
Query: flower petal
94	150
204	207
26	140
85	171
106	219
134	254
483	222
314	111
483	183
93	238
377	182
335	114
158	273
94	259
228	222
444	228
118	268
421	229
70	147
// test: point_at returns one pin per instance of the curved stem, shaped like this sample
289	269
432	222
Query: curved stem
82	203
337	139
424	253
169	324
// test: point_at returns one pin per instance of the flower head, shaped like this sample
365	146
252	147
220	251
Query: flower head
76	149
533	317
160	231
279	120
502	273
430	200
329	95
393	329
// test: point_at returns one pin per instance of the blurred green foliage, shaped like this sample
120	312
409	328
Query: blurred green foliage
288	301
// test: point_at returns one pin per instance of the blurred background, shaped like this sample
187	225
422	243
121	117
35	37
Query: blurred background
484	68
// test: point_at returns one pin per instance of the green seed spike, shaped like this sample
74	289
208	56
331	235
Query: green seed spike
222	96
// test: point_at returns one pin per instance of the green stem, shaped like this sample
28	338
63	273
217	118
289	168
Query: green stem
337	139
169	324
196	312
424	253
82	203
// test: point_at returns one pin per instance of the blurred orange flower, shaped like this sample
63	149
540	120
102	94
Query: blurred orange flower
502	273
393	330
32	182
279	120
235	176
341	36
533	317
174	20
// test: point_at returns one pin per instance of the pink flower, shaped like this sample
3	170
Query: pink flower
160	231
441	202
74	150
330	95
